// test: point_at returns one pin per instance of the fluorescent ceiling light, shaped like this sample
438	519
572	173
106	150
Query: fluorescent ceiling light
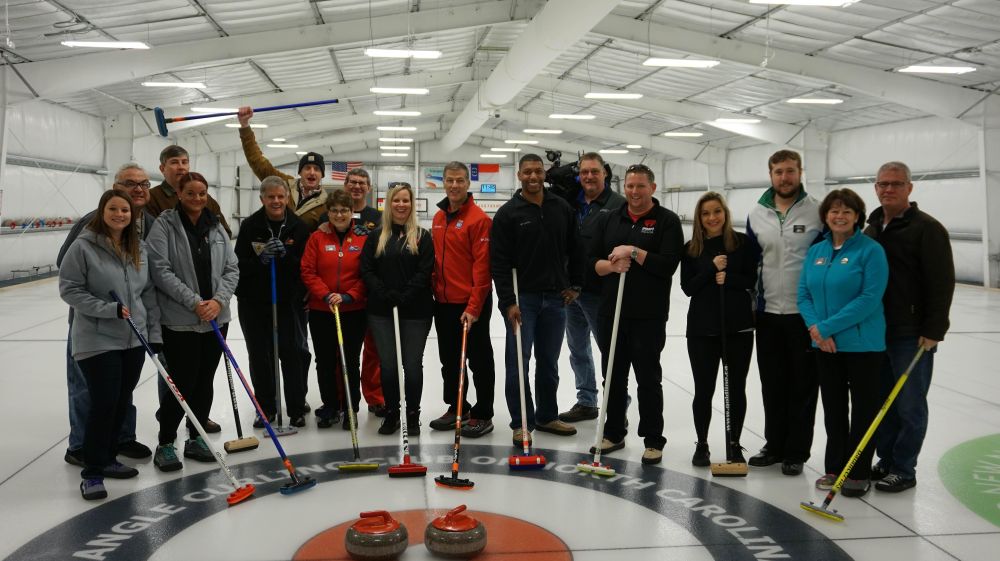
197	85
403	148
815	100
833	3
633	146
401	53
577	116
282	145
395	154
301	153
251	125
684	134
388	128
918	69
518	141
680	62
411	91
613	151
278	139
612	95
739	121
394	113
107	44
213	109
542	131
493	155
505	149
395	140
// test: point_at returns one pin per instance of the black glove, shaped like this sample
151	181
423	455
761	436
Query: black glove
273	248
157	348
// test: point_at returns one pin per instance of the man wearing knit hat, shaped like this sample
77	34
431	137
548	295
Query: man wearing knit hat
308	197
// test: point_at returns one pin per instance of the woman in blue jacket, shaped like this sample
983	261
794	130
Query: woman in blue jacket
108	255
840	299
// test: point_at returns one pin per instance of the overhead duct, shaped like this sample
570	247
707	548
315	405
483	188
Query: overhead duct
559	25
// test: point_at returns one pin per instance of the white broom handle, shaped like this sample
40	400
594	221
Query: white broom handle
609	369
402	384
520	367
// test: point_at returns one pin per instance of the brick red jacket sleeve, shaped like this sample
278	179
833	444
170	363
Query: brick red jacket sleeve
482	279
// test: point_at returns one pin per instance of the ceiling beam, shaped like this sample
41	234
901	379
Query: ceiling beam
339	145
930	96
63	76
493	138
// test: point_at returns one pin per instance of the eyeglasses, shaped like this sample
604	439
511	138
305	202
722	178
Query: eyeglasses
339	211
129	184
890	184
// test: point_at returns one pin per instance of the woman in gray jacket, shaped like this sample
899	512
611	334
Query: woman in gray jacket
196	272
106	256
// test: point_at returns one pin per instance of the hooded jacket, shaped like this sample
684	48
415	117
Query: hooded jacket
330	266
462	256
172	269
90	271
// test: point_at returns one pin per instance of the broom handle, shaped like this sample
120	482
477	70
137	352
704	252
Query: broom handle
232	395
347	384
725	370
458	407
609	369
520	369
274	341
402	387
256	110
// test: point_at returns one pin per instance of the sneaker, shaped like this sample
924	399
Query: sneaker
763	459
212	427
735	454
519	437
791	468
93	489
135	450
74	457
476	428
379	410
652	456
607	446
856	487
298	422
197	450
701	457
878	472
557	427
894	483
413	424
165	458
579	412
326	417
447	421
118	470
390	424
826	482
258	423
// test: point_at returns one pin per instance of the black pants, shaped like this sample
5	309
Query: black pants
478	352
705	354
850	384
111	377
302	338
331	378
193	358
788	383
640	343
413	338
257	322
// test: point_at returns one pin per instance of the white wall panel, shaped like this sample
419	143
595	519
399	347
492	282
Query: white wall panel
685	173
33	192
47	131
749	165
146	151
24	251
931	144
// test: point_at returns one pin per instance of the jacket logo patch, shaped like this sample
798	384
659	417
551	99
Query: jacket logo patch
843	261
525	223
649	222
799	228
258	247
330	248
353	248
458	225
821	260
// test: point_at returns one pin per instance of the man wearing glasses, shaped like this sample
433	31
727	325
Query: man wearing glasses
132	179
917	302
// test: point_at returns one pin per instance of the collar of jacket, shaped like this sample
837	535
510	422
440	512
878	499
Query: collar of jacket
444	205
167	189
327	227
547	196
601	200
828	235
623	210
878	215
767	199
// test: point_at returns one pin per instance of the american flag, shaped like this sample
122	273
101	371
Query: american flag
338	170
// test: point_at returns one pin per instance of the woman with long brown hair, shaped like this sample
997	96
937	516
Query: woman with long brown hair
718	270
108	256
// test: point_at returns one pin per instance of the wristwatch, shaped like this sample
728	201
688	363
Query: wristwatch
635	253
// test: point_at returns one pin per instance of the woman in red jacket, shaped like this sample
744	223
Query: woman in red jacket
331	267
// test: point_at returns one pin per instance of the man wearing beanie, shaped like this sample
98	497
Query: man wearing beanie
308	198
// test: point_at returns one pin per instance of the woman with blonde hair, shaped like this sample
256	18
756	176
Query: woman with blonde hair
718	270
396	266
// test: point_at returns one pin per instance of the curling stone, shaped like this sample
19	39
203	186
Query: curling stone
376	537
455	535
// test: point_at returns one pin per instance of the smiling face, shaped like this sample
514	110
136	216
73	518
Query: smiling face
357	187
400	206
136	183
639	192
592	178
786	176
531	174
340	216
456	187
893	191
713	218
117	215
841	220
174	168
275	200
310	178
194	197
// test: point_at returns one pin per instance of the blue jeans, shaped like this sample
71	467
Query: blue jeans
581	321
901	434
79	403
543	322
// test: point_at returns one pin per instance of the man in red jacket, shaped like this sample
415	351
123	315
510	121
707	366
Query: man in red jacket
461	235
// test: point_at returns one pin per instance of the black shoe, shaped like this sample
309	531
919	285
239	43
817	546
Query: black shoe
135	450
878	472
447	420
390	424
856	487
118	470
306	407
735	454
379	410
74	457
477	427
702	457
299	421
326	417
763	459
413	424
893	483
212	427
577	413
791	468
258	423
346	421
